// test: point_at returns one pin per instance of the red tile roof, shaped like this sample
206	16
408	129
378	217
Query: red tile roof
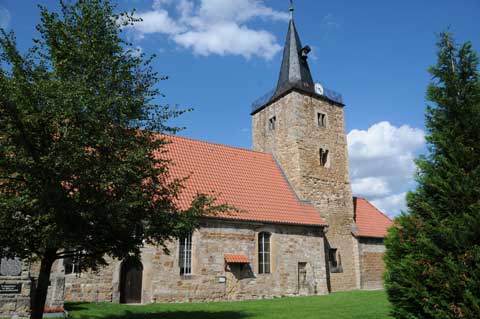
370	221
236	259
250	181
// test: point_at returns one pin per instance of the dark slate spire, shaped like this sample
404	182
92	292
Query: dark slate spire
295	73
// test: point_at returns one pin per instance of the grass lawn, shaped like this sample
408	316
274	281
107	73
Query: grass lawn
345	305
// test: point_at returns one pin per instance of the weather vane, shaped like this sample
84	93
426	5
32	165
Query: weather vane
291	9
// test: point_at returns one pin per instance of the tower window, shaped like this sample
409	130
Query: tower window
272	123
323	157
334	261
185	260
322	120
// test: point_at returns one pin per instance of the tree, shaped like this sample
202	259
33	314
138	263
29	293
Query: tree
81	167
433	251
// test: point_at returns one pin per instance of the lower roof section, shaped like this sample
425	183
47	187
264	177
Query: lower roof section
370	221
250	181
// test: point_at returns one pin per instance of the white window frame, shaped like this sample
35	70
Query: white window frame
185	255
263	254
74	261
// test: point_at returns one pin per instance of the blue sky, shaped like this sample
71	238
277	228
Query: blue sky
220	55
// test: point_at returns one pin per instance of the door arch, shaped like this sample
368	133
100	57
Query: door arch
131	274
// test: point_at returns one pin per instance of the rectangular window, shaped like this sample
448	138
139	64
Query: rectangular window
185	260
334	261
264	253
321	120
71	264
323	157
272	123
332	257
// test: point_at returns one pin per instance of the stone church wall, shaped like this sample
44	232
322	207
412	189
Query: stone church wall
295	143
372	266
212	279
15	288
17	285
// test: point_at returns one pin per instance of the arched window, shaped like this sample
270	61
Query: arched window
264	253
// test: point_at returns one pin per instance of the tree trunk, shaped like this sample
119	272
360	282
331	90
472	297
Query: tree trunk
40	293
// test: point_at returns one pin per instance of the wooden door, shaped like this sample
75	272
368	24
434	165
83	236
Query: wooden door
131	281
302	279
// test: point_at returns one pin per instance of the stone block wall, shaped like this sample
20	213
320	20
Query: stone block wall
19	302
295	143
212	279
92	286
14	302
372	265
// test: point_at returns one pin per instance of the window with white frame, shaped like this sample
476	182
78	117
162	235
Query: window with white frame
185	256
71	264
264	253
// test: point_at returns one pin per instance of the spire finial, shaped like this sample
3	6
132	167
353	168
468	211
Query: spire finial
291	9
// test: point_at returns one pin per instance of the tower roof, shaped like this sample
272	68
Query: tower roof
294	73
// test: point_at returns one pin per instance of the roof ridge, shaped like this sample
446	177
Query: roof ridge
378	210
218	144
301	200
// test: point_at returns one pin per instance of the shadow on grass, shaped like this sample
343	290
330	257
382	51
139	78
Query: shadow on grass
175	315
167	314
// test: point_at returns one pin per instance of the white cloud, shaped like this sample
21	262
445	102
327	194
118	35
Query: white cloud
213	26
230	38
158	4
382	163
157	21
4	18
370	186
393	203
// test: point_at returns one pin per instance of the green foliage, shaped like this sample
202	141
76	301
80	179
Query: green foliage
81	165
433	252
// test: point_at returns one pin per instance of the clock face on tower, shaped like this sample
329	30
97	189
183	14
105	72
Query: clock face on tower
318	89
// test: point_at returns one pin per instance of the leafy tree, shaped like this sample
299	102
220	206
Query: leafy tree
81	167
433	252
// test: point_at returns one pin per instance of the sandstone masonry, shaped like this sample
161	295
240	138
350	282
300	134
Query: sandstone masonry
372	266
295	143
212	279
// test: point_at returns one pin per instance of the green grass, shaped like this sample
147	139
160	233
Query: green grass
345	305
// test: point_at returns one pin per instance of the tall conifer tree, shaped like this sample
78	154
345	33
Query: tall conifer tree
433	251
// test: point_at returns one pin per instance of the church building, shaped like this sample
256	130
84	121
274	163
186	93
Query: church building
299	231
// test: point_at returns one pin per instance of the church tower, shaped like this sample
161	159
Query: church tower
302	125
